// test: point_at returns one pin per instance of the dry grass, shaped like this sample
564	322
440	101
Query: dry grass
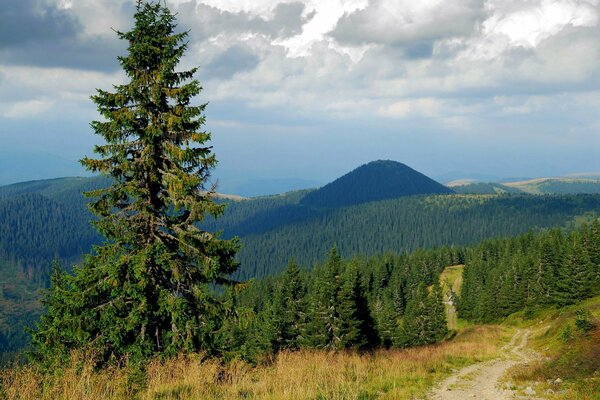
385	374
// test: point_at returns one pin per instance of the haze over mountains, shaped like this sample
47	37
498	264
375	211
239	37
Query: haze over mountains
18	167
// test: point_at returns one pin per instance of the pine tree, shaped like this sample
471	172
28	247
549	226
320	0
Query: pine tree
289	311
438	324
323	315
349	329
150	287
575	276
548	266
414	325
593	250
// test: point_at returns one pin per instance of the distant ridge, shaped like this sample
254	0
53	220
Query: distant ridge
377	180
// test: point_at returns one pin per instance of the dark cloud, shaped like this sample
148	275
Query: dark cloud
205	21
26	21
97	53
233	60
35	33
288	20
418	50
383	22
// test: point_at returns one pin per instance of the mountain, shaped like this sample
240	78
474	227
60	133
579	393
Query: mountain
377	180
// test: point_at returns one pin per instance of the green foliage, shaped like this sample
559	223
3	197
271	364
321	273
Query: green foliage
550	268
424	321
398	225
584	321
289	309
149	288
341	304
567	333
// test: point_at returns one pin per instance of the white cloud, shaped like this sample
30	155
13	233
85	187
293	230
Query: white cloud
326	15
526	24
427	107
27	109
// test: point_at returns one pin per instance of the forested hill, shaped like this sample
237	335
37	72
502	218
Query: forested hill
398	225
377	180
43	220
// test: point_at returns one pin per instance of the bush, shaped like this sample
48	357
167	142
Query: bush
584	321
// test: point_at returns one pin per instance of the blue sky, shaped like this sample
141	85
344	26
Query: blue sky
311	89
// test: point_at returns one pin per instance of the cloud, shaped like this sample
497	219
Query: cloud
404	21
206	21
50	34
335	65
27	109
98	53
528	23
235	59
427	107
27	21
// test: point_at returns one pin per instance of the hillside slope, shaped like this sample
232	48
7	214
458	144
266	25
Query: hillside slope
377	180
560	185
483	188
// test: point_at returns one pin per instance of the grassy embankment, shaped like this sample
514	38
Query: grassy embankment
568	341
386	374
451	282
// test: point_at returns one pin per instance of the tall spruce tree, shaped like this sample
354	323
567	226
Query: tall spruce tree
323	313
575	276
150	287
289	309
349	329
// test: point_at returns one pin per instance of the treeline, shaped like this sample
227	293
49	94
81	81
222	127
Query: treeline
35	229
20	308
389	301
503	276
399	225
43	220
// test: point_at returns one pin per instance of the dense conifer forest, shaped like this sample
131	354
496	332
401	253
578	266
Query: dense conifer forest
503	276
398	225
396	300
388	301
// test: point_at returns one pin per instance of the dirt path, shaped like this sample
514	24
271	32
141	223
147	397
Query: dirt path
481	381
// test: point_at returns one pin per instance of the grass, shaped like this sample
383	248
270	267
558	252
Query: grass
570	354
451	282
451	278
383	374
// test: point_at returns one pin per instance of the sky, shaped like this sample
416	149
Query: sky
310	89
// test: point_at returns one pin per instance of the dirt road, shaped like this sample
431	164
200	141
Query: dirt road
481	381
